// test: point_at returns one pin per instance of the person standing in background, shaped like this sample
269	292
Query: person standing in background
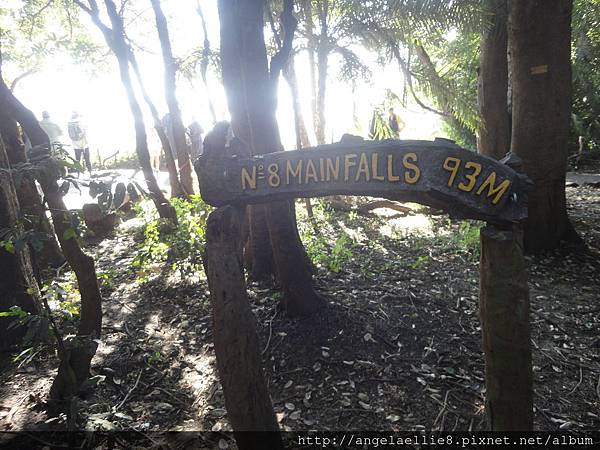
50	128
195	134
395	123
78	136
167	124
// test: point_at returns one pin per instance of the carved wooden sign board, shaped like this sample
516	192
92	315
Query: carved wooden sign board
436	173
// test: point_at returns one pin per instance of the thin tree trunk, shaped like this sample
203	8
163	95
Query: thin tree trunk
18	286
302	141
176	189
30	201
115	38
249	406
289	73
494	132
540	48
75	363
322	62
504	315
204	63
251	93
262	266
183	153
312	61
447	108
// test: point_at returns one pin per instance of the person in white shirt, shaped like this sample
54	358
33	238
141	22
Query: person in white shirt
50	128
78	136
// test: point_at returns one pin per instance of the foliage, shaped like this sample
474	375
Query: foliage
62	295
325	251
182	247
190	66
458	62
435	43
379	128
586	72
34	31
460	237
15	238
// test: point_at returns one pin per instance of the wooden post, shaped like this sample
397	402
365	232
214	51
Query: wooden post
504	314
249	406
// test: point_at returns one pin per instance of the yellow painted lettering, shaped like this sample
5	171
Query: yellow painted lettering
310	172
333	171
247	179
374	168
390	169
322	168
274	179
290	172
349	161
453	169
498	191
413	173
472	177
363	168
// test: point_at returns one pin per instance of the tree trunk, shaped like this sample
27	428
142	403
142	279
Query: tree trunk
322	63
252	102
204	63
176	189
494	132
183	153
116	41
249	406
312	61
30	201
504	314
75	363
261	264
302	141
447	109
18	286
540	48
289	72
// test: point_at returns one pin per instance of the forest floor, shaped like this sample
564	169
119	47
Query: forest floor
398	347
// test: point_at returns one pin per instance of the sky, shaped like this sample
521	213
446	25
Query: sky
62	87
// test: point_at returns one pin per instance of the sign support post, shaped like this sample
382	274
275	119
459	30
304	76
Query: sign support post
239	361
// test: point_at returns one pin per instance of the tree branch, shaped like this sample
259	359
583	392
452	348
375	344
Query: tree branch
14	82
408	75
288	24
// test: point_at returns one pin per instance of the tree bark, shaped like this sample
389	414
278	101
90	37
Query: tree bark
494	133
289	73
448	111
540	48
322	63
204	63
183	152
75	363
18	286
504	314
252	100
176	189
312	61
115	39
261	265
239	362
302	140
29	199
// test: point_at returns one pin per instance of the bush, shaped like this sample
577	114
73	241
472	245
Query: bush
181	247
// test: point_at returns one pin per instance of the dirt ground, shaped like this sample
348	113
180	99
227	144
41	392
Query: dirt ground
398	347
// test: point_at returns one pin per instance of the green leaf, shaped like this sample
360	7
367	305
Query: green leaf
70	233
14	311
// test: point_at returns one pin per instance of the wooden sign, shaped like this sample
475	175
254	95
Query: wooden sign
436	173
